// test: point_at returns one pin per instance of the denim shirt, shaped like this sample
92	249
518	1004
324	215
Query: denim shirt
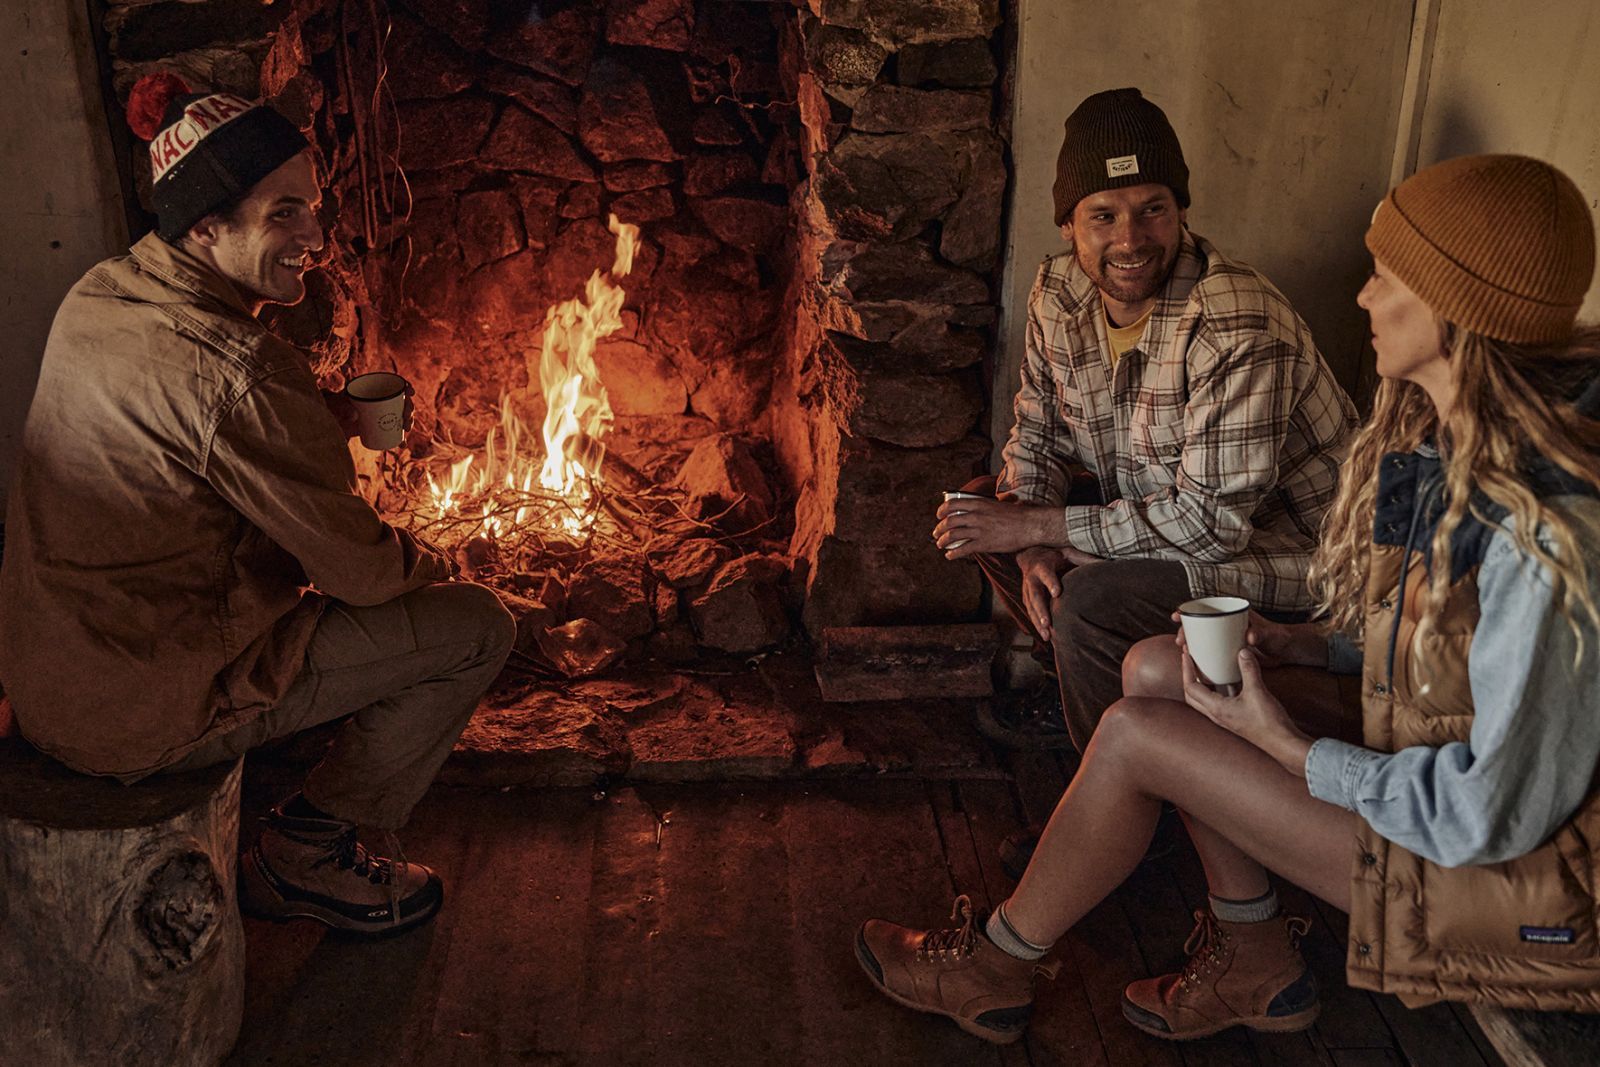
1535	739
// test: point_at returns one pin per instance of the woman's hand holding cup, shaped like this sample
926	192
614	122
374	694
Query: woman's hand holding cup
1276	644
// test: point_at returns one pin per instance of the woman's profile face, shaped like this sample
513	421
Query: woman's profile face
1405	331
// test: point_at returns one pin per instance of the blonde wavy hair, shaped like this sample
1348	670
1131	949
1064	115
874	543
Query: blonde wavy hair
1512	401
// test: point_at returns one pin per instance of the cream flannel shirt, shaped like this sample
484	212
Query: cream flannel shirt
1216	441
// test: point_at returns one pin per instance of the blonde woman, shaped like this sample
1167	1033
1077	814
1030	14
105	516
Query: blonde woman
1461	832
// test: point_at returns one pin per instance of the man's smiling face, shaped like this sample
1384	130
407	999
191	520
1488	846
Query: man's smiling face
1127	240
265	243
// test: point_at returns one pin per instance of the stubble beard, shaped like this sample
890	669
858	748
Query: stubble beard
1131	291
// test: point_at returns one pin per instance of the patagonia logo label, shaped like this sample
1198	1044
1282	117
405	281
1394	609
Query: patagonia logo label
1549	935
1122	166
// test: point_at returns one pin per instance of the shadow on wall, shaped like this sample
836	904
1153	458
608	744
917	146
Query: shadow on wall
1459	129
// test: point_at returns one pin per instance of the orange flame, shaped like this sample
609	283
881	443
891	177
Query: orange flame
577	412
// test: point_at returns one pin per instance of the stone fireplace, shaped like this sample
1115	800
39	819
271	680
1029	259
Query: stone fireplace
797	363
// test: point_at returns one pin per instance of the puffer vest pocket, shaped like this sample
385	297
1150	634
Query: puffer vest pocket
1535	907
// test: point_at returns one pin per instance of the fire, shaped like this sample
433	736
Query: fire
578	411
510	485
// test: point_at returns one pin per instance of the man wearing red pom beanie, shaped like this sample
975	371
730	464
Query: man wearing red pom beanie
189	571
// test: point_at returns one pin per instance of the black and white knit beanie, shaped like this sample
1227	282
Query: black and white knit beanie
207	150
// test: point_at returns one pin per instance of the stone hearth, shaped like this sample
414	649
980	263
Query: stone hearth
758	720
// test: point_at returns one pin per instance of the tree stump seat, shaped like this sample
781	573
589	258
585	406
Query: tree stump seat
120	938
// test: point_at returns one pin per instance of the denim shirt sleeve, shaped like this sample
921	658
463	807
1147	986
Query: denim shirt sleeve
1535	737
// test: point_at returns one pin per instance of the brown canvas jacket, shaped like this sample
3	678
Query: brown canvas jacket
181	484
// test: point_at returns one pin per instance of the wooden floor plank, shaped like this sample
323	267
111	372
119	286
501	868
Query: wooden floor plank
681	967
1368	1057
1480	1040
570	938
857	851
1063	1030
1105	951
415	995
518	901
1430	1037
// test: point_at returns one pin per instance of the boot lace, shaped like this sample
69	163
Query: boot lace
348	854
1204	947
1208	942
956	943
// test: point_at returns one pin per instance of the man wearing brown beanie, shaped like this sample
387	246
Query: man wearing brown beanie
1177	432
188	570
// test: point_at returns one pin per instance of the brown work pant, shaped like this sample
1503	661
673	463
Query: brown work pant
1103	610
408	673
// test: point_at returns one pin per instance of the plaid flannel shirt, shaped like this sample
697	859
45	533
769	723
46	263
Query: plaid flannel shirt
1216	441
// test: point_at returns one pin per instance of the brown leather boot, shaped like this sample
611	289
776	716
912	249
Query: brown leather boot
958	973
1238	974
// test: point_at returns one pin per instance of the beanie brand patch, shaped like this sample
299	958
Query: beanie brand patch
1122	166
200	119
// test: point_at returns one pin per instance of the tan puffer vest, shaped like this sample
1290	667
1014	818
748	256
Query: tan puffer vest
1523	933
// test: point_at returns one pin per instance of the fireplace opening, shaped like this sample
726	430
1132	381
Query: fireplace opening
695	295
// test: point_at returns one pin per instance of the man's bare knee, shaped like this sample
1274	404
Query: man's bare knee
1153	668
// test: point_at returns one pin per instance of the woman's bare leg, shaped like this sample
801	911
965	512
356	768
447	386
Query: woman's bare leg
1154	668
1147	750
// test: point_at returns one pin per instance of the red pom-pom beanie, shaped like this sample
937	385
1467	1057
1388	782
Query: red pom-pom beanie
207	150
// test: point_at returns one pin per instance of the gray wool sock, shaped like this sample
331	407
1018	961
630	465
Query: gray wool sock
1007	940
1260	909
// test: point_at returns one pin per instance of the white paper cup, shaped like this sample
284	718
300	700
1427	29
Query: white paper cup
380	403
960	496
1214	629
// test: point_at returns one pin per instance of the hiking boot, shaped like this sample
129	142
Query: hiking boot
316	869
1016	848
1029	719
958	973
1238	974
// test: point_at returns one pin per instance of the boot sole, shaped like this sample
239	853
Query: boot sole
1266	1024
995	1037
259	900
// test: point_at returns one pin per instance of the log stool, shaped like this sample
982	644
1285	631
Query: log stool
120	939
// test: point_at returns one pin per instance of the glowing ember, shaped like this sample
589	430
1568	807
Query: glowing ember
511	487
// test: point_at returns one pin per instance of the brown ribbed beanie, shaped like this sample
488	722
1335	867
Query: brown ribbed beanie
1113	139
1501	245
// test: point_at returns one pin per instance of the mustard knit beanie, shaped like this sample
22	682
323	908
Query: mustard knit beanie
1113	139
1501	245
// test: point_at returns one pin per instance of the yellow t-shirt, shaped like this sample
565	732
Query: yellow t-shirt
1123	338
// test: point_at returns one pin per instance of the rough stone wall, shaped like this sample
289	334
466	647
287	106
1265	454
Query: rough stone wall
521	126
900	235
